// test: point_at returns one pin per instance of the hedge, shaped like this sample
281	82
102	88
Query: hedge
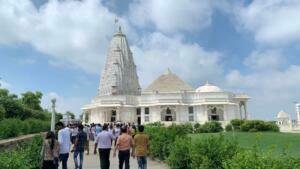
251	126
13	127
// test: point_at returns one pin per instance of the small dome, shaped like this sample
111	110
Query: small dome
208	88
282	114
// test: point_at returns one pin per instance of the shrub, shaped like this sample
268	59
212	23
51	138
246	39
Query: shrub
197	127
179	157
211	127
24	157
14	127
253	158
258	125
237	123
228	127
211	152
161	138
10	128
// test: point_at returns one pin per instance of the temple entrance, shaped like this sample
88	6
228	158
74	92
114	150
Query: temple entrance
168	114
113	116
138	115
215	113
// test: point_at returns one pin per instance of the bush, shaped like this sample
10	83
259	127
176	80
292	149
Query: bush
237	123
253	158
10	128
14	127
228	127
258	125
197	128
161	138
210	153
24	157
211	127
179	157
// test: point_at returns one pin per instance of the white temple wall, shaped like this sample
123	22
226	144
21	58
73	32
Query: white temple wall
154	114
182	114
96	116
201	114
127	114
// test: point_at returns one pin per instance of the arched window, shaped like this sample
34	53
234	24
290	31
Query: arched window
215	112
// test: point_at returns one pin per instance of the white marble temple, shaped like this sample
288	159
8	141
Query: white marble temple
168	99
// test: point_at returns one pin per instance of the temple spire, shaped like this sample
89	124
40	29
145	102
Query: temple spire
119	76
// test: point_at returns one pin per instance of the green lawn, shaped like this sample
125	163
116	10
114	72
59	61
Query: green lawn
266	140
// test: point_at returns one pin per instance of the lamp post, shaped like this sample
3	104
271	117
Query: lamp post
53	101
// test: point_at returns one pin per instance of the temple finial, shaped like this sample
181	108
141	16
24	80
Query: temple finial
117	24
168	71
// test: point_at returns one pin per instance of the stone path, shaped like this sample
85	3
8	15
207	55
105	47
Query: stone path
92	161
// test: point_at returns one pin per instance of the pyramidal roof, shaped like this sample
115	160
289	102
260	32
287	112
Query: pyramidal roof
168	82
119	75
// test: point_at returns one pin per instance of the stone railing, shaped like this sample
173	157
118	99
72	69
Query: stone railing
10	143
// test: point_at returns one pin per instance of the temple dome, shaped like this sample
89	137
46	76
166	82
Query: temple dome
168	82
282	115
208	88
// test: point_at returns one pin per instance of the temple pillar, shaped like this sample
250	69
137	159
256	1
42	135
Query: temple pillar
245	111
118	118
142	115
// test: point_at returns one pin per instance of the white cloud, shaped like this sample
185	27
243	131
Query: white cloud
169	16
64	104
74	33
4	84
190	61
267	60
271	89
274	22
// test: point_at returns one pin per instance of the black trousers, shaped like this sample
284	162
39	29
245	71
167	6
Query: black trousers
48	164
124	157
104	157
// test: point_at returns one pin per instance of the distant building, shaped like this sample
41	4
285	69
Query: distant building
167	99
286	124
298	112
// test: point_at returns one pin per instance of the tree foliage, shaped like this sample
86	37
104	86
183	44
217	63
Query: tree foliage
32	100
28	106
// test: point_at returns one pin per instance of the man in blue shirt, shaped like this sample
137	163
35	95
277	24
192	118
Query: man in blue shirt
103	143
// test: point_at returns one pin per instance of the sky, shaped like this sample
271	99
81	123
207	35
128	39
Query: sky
59	47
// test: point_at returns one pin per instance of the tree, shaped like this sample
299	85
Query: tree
58	116
72	115
32	100
2	112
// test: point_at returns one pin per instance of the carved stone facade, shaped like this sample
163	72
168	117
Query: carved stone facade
119	76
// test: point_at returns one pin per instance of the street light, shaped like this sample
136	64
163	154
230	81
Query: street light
53	101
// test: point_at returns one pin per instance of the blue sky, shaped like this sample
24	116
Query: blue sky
59	47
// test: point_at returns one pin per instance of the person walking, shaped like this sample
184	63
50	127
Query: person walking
103	144
79	145
86	129
124	144
50	151
64	141
141	147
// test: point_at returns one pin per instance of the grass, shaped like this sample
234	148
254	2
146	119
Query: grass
267	141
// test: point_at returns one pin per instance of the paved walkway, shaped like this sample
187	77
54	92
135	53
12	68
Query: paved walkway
92	161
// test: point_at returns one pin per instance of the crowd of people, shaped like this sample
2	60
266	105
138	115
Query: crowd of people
125	138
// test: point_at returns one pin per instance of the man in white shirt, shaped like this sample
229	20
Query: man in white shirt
103	143
64	143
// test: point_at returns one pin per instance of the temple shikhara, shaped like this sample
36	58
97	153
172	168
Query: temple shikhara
168	99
